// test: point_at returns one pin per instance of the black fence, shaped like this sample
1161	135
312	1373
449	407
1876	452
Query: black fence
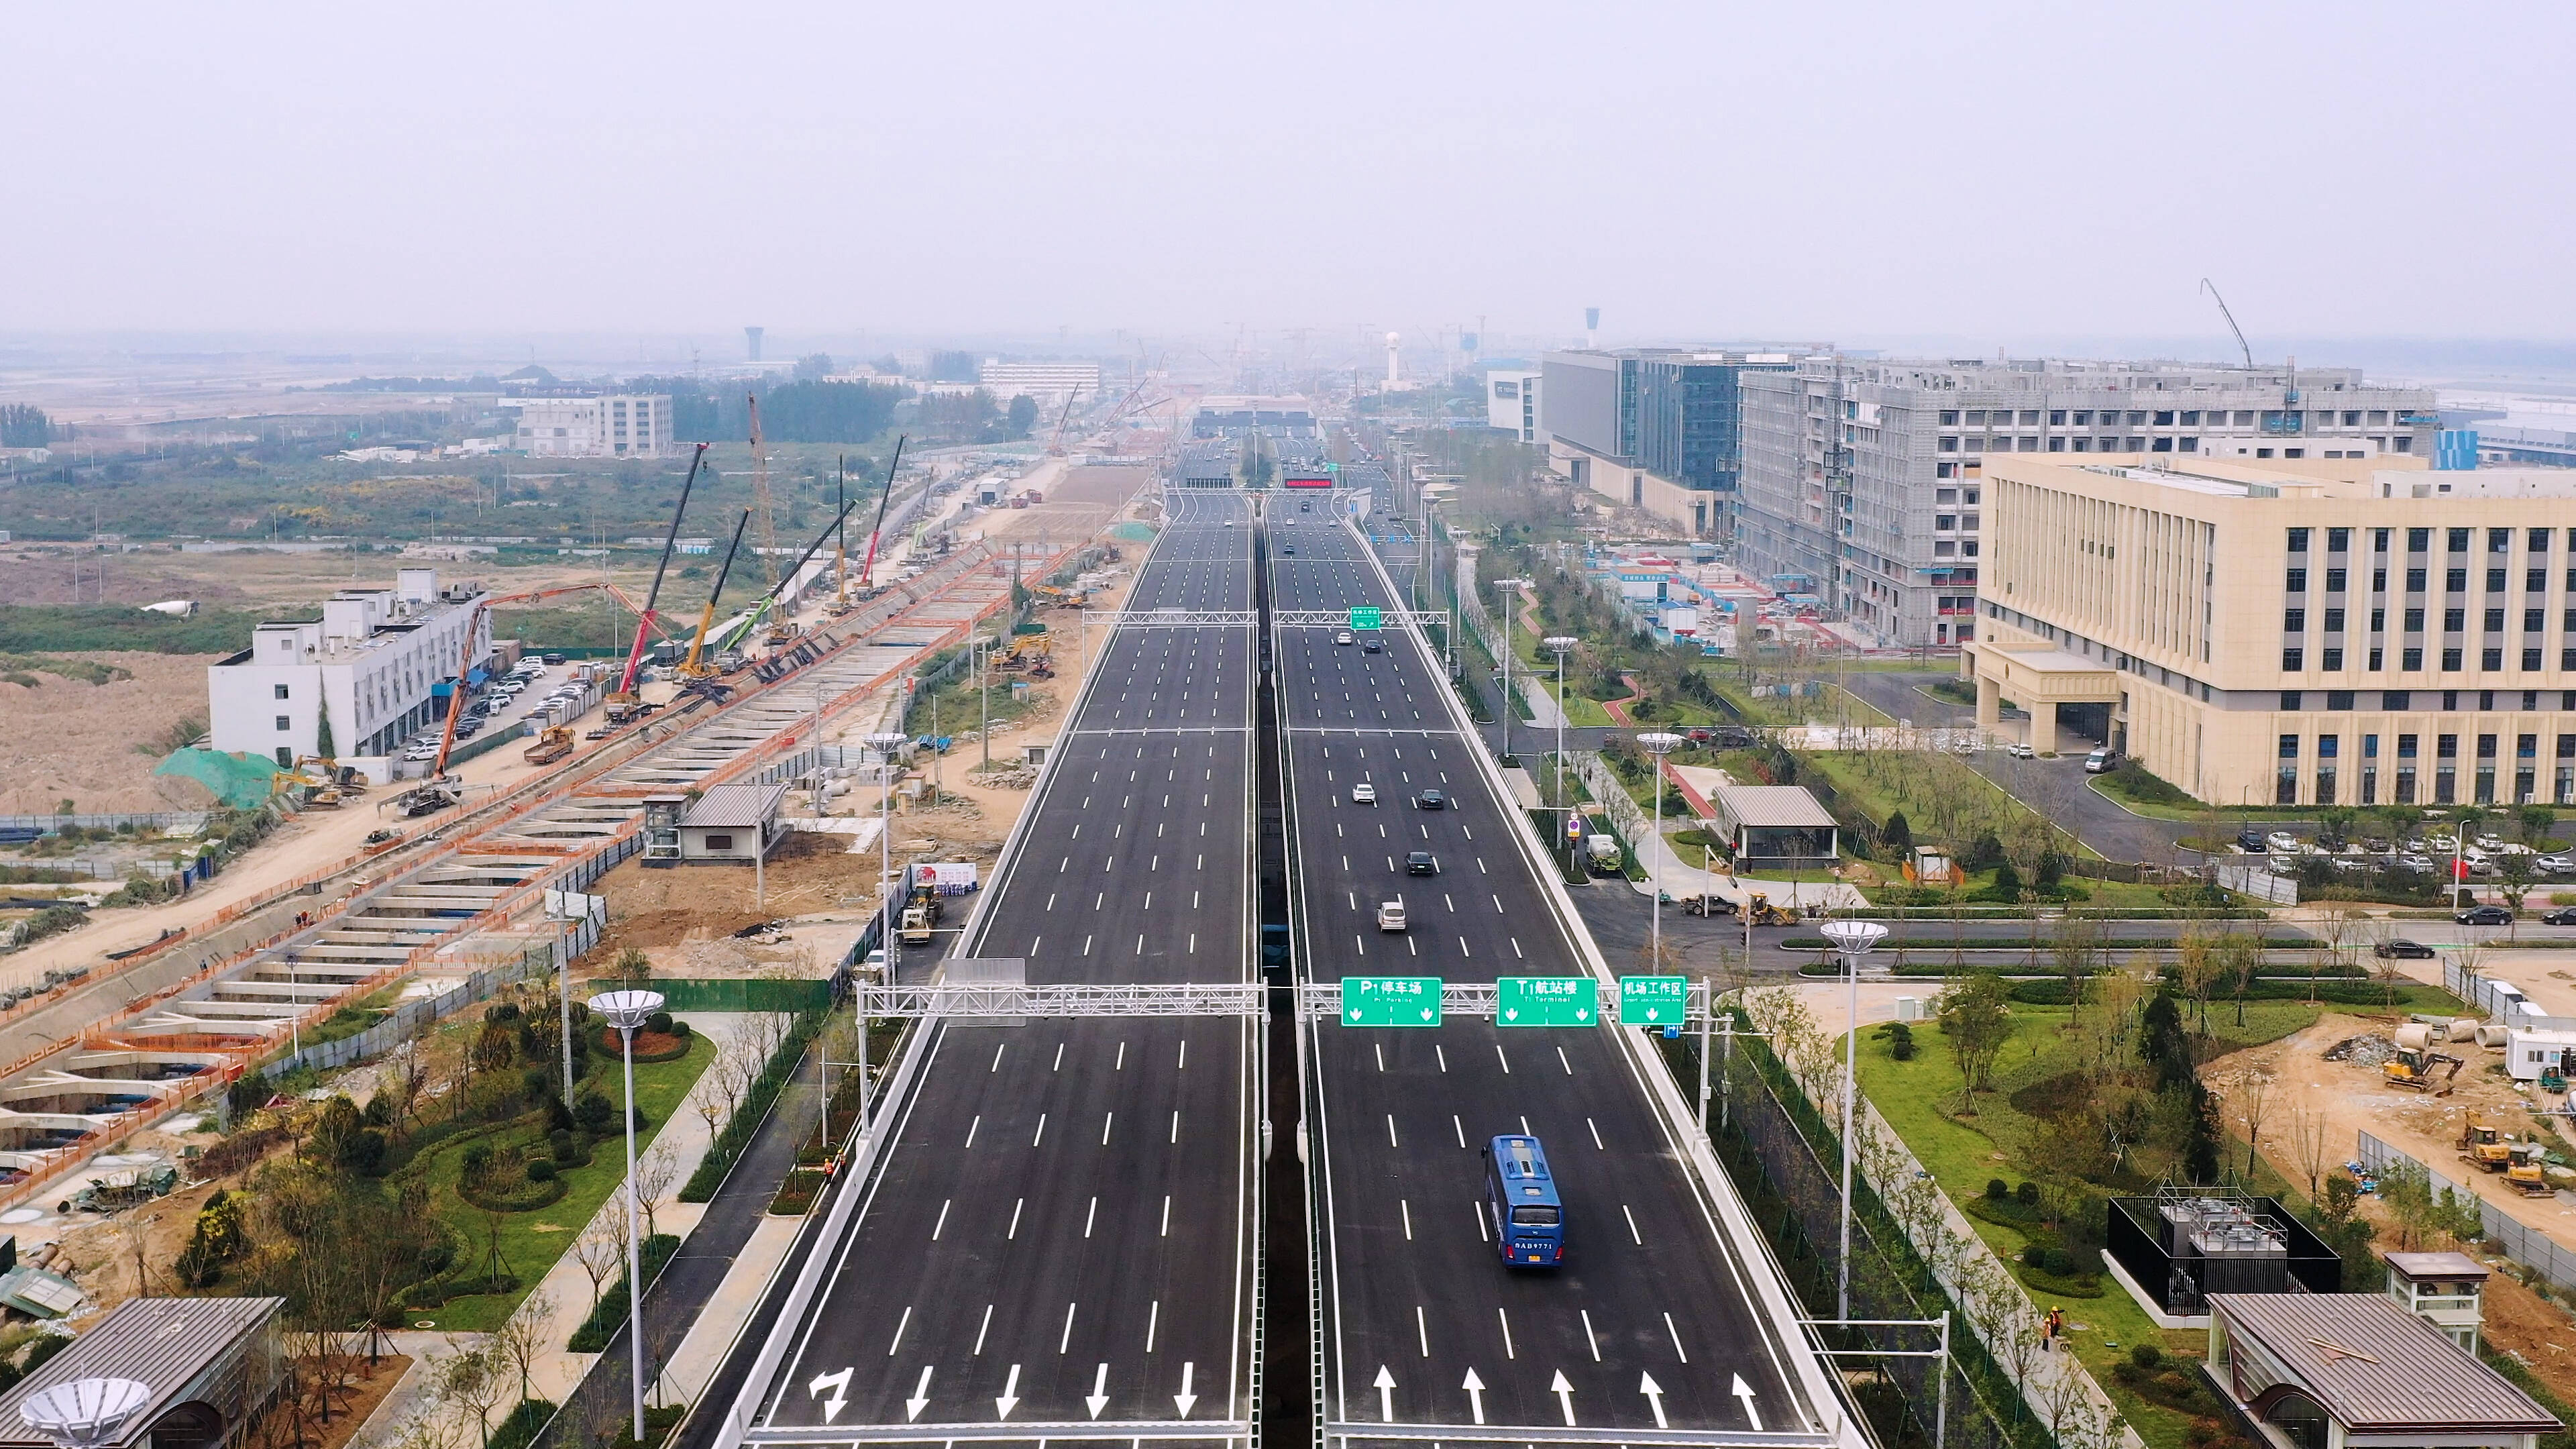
1783	1156
2270	1250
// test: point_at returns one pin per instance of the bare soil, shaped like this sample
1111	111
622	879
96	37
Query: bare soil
96	744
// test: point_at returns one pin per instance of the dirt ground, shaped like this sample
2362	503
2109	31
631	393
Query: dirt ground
249	578
96	744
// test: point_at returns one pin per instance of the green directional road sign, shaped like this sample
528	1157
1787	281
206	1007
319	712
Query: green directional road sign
1547	1001
1653	1000
1363	618
1390	1001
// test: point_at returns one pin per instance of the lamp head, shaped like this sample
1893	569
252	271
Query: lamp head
626	1010
1659	742
1854	938
85	1412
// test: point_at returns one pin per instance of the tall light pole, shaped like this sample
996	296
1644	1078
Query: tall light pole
626	1010
1503	597
885	744
1560	645
1658	745
1851	940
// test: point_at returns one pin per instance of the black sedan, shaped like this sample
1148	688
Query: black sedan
1431	800
1421	862
2484	916
2401	948
2563	916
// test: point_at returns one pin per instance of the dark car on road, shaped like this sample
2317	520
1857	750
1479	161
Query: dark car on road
2484	916
2563	916
2401	948
1421	862
1431	800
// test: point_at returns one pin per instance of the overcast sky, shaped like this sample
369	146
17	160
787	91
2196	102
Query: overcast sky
1788	171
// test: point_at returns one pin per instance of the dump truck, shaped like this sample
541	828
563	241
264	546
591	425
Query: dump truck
2419	1069
2483	1143
552	745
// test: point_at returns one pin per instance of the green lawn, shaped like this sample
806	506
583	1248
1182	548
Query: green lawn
1917	1098
532	1241
1942	798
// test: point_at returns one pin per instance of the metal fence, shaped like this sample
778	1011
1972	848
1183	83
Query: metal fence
176	822
2257	881
2522	1243
743	993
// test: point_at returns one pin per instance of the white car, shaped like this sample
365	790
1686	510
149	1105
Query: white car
2282	840
2555	864
1390	916
2021	751
1344	636
1363	793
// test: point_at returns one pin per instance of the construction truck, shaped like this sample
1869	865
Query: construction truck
2483	1143
920	916
121	1190
1759	907
1601	854
552	745
2420	1069
2528	1172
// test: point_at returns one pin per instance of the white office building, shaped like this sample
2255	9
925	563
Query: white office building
1511	404
369	665
621	425
1056	380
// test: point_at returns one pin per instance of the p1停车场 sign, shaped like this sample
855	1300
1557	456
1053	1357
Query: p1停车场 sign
1653	1000
1547	1001
1365	618
1390	1001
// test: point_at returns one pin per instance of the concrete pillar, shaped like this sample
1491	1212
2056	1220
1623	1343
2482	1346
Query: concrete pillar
1990	702
2043	726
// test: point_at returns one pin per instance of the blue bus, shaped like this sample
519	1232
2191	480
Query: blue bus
1520	1197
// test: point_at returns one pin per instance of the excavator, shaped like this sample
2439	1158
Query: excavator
2414	1068
622	702
2483	1143
2529	1172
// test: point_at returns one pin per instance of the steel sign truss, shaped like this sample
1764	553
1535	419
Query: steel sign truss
1322	1000
1341	618
1017	999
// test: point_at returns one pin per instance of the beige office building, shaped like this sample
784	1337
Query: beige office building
2356	632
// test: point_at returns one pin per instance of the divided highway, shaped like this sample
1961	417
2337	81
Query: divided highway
1654	1323
1059	1236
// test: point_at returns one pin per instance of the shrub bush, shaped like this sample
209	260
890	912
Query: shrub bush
2146	1355
1997	1190
541	1169
2027	1194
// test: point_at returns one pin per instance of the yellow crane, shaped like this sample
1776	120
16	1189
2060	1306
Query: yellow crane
692	667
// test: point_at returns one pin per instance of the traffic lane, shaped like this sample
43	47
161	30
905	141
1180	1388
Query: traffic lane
1065	1195
1330	685
1199	676
1139	869
1647	1288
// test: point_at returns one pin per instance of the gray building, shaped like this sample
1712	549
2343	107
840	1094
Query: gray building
1657	429
1861	481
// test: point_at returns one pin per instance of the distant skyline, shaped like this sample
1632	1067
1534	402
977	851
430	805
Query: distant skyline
2013	172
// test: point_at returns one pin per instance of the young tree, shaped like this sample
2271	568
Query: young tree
525	1335
471	1379
2073	947
1976	1019
655	1172
2196	966
600	1252
2311	1147
2241	957
2252	1093
2514	880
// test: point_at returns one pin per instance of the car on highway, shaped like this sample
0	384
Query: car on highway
1363	793
1431	800
2563	916
1229	523
2102	761
2020	750
1374	645
2488	915
1289	549
1344	636
1390	915
2402	949
1421	862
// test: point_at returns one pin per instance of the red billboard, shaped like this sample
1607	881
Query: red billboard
1306	480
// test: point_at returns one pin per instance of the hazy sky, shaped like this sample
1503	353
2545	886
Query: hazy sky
1782	170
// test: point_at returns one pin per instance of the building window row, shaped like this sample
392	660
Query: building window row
2409	785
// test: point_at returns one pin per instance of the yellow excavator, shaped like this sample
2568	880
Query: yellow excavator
2529	1173
2415	1068
2484	1144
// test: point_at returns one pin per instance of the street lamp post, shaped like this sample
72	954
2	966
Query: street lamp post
1851	940
1658	744
885	744
627	1010
1560	645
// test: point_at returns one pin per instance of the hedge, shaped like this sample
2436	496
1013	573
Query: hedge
523	1425
746	1120
610	1315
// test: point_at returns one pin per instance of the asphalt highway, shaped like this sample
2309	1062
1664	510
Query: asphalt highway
1651	1321
1064	1230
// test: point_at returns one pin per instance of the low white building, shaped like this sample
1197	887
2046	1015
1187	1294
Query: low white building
620	425
1511	404
732	824
370	665
1052	380
2531	1051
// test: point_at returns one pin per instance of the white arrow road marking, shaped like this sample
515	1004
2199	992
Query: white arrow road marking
1010	1397
1475	1395
1385	1385
1185	1397
1098	1398
839	1384
920	1399
1564	1396
1654	1393
1744	1391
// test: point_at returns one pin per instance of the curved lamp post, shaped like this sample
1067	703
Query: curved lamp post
884	744
626	1010
1503	596
1851	940
1560	645
1659	744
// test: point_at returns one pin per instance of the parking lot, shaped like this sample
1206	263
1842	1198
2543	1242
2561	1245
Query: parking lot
504	704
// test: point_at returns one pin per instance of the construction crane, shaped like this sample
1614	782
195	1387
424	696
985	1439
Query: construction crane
750	620
867	566
691	667
623	699
841	548
1055	445
2211	288
760	494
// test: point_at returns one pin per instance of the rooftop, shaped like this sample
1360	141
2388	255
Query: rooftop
2378	1368
1773	807
2438	1265
162	1342
735	807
